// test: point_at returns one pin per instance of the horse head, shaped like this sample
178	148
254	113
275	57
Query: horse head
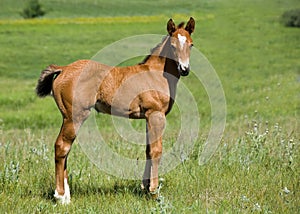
181	44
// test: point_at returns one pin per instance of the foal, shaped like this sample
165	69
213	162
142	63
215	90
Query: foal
143	91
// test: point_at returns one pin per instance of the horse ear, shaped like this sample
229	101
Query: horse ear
171	27
190	26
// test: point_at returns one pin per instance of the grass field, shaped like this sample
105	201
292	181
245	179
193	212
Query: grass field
256	167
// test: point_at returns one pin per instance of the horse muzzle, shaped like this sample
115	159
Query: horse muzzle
183	70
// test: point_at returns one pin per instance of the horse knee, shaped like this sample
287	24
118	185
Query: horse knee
61	149
157	120
156	125
156	152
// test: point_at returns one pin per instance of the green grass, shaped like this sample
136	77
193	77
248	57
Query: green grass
256	167
92	8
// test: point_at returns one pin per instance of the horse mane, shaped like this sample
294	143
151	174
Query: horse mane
155	49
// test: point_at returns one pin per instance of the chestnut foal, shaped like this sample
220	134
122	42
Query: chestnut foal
145	91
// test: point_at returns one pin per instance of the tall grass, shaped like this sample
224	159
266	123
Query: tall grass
255	172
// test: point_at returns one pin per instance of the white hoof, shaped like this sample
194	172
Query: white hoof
66	198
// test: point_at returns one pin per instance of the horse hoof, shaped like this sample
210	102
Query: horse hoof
154	195
145	185
62	199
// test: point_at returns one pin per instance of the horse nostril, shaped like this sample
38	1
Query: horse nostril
184	70
188	68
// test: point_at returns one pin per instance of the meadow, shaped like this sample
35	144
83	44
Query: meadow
256	166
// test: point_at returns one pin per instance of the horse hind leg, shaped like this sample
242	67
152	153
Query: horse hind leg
63	145
62	148
147	172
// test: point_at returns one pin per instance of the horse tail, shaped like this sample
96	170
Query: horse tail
44	85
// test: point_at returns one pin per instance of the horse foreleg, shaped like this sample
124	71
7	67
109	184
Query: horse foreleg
156	124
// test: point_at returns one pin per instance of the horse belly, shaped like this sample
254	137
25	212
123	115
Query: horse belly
134	111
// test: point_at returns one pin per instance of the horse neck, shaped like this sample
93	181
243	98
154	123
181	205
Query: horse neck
170	71
161	58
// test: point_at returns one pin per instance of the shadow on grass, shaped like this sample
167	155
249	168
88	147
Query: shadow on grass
115	189
48	194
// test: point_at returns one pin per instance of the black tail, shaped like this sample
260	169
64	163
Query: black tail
44	85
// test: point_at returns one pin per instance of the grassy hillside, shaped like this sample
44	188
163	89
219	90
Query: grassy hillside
256	167
92	8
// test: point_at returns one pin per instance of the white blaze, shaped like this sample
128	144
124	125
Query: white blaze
184	64
182	40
